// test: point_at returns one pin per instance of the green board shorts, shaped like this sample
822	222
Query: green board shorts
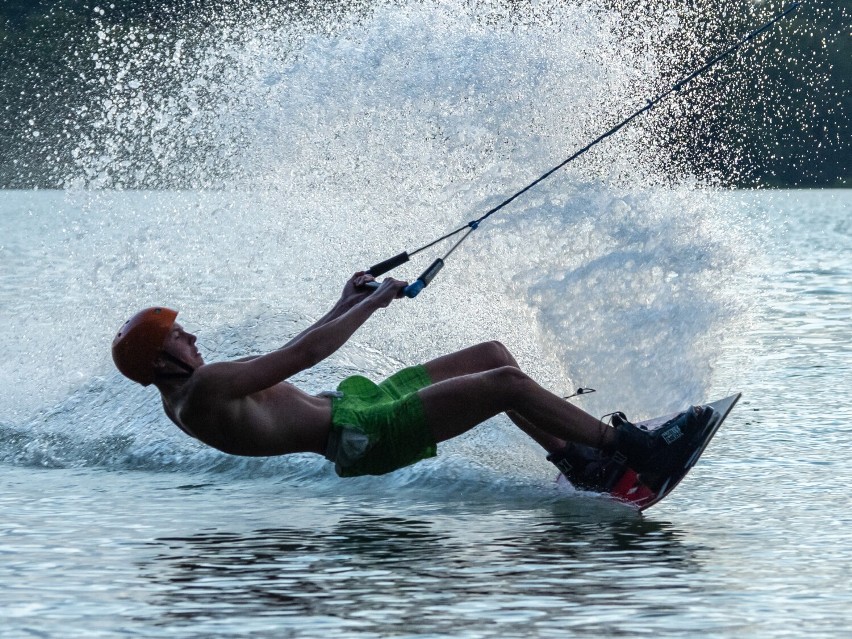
379	428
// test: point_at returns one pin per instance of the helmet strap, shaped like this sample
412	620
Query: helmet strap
187	369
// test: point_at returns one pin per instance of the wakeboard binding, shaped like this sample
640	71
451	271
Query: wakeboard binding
649	458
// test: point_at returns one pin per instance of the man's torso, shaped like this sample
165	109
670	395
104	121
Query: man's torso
276	421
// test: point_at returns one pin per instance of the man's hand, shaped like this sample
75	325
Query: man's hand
389	290
354	291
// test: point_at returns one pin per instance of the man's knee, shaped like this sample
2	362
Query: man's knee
509	379
498	355
512	385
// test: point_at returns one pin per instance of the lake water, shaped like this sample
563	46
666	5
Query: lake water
311	149
114	525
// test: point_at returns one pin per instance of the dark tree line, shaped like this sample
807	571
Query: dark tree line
789	129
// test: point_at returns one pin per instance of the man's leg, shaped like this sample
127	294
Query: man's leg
484	357
457	404
475	359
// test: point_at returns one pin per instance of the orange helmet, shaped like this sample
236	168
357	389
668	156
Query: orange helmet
139	342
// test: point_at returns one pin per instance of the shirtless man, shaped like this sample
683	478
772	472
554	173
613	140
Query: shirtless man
245	407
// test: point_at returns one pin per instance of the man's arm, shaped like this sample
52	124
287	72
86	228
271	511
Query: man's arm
353	292
238	379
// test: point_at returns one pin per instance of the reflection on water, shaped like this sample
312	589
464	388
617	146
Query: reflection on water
392	574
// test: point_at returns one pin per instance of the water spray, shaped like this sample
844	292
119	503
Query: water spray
413	289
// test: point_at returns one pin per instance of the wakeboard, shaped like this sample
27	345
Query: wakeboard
591	469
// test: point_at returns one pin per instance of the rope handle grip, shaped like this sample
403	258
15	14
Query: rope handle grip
383	267
412	290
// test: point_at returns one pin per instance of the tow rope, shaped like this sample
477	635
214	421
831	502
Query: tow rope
428	275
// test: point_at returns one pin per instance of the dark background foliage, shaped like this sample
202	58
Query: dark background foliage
798	136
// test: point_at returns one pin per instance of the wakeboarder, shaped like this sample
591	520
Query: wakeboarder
246	406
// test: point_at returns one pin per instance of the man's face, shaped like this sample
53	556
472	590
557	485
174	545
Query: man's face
181	344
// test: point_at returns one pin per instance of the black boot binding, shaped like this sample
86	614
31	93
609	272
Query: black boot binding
654	454
658	454
589	468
